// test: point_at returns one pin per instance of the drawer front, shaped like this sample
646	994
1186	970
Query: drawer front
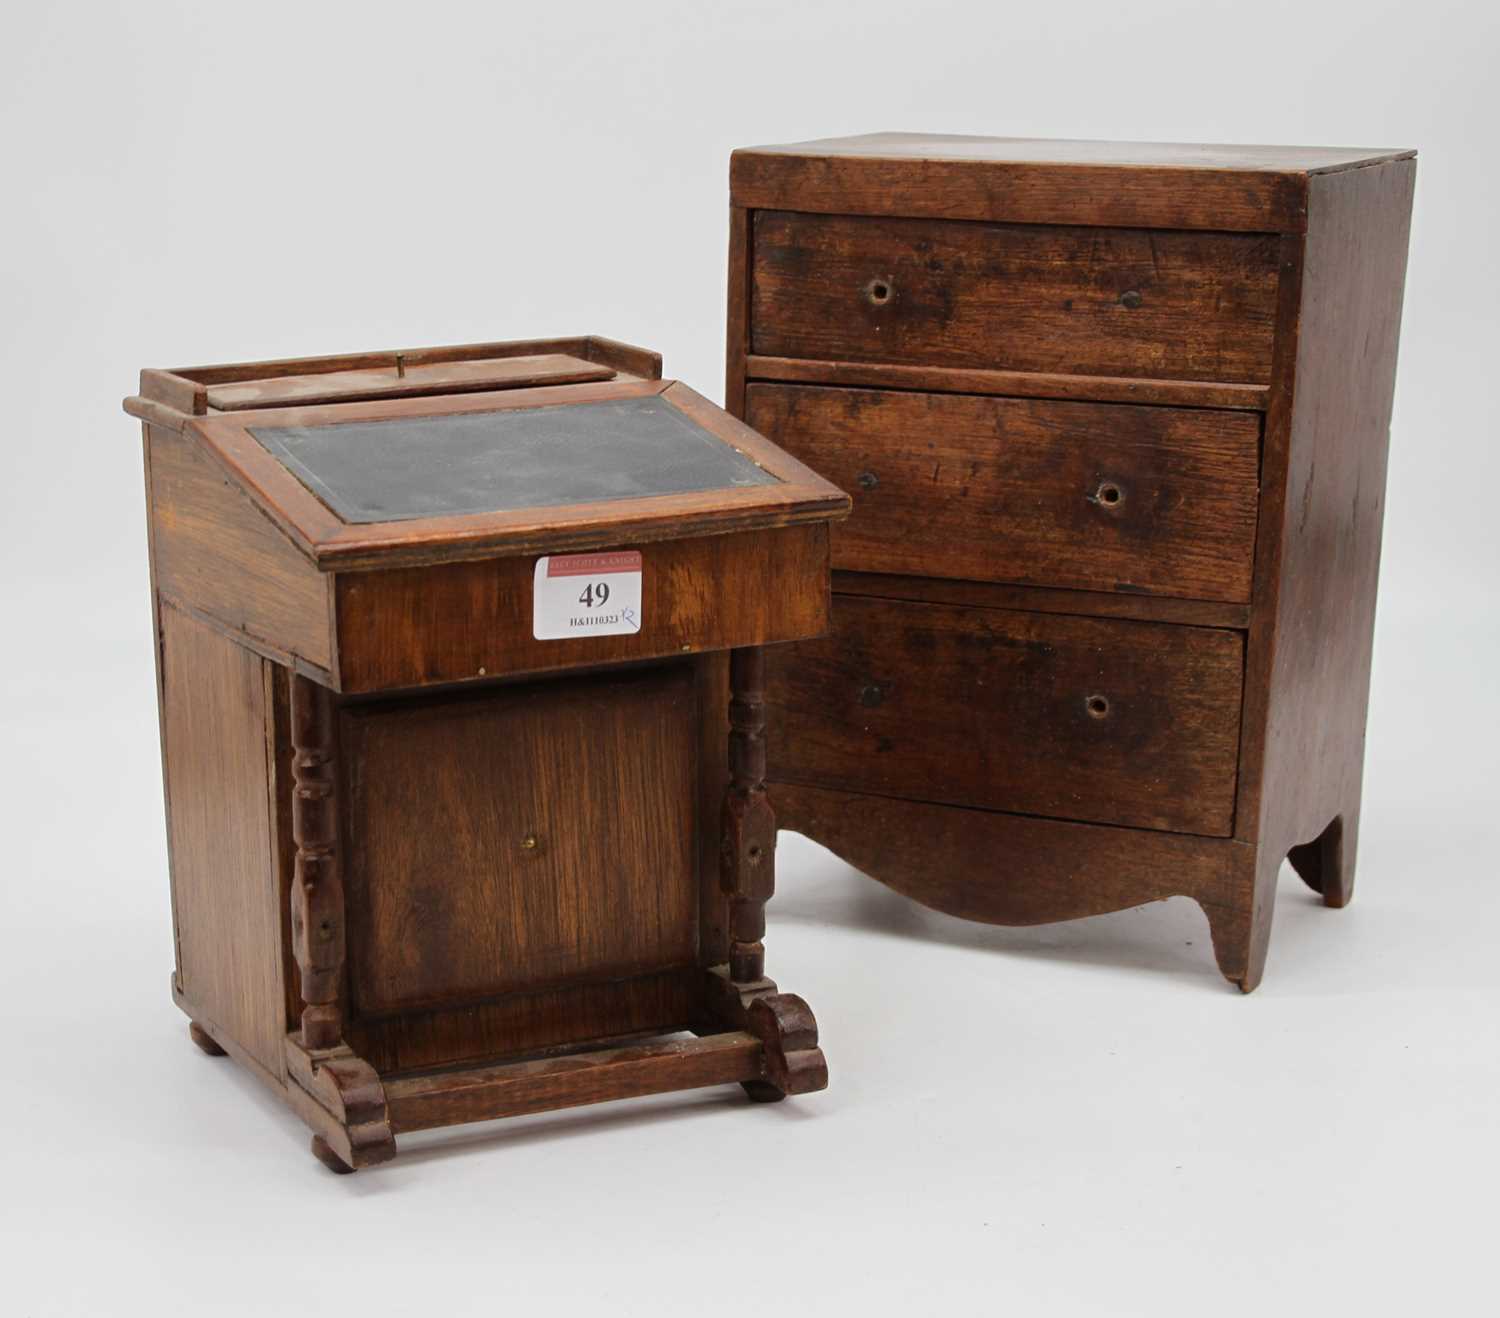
1101	720
1079	301
1086	496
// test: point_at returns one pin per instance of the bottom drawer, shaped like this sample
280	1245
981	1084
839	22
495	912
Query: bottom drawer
1109	721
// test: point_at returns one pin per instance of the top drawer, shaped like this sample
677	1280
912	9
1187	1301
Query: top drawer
1077	301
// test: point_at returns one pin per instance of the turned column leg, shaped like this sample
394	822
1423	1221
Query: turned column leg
317	893
783	1021
748	858
343	1085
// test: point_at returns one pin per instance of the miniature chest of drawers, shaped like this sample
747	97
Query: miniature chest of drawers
460	669
1115	420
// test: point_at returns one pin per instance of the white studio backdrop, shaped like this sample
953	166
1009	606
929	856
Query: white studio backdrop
1075	1119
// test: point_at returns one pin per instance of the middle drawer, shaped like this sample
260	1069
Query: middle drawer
1085	496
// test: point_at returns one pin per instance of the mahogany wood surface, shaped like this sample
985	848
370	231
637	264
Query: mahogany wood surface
531	834
1011	384
425	867
217	556
404	381
217	736
891	294
479	1031
1041	181
484	1093
456	622
1321	561
625	358
319	924
1078	718
1015	869
1074	495
1081	301
1000	595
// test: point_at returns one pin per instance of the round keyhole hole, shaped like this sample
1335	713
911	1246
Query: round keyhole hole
1110	495
754	854
879	291
1097	706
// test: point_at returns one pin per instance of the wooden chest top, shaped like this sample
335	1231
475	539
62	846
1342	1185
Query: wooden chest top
1258	189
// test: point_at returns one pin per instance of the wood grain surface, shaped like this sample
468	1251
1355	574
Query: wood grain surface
1001	383
403	380
516	1024
1075	495
1014	869
411	627
522	838
1327	450
1076	718
1041	181
217	731
597	1076
221	558
1071	300
1177	277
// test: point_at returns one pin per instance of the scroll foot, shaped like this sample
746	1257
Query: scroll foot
323	1152
785	1025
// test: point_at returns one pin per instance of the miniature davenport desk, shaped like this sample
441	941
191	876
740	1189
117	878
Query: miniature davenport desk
1115	420
460	825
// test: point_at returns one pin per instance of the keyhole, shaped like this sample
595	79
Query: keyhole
1097	706
878	291
1109	494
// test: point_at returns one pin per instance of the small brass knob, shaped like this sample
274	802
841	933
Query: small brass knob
1130	299
529	842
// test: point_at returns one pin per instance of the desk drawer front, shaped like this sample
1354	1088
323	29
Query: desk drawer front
1082	301
1085	496
1075	718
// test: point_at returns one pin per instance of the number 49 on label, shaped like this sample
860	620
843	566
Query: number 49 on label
581	595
